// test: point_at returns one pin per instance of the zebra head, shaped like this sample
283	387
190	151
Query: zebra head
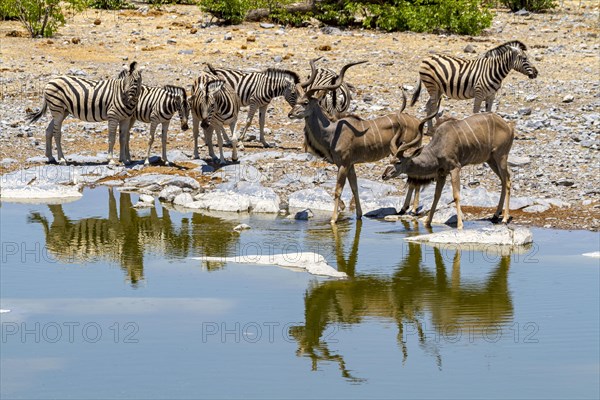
184	111
132	84
203	93
523	65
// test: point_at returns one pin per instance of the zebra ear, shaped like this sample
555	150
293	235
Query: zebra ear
122	74
214	86
132	67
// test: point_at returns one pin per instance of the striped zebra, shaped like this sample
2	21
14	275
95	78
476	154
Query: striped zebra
112	100
336	102
157	105
463	79
214	103
257	89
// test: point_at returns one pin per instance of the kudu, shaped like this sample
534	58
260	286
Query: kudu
349	140
484	137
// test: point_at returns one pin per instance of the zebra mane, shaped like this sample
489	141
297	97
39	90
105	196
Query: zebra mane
503	48
176	90
276	71
122	74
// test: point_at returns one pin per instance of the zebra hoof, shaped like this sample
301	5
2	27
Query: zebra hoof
52	160
62	161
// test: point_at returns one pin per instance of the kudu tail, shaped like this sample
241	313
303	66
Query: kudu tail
34	116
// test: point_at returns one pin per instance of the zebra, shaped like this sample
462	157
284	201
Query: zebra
112	100
257	89
334	103
463	79
214	103
157	105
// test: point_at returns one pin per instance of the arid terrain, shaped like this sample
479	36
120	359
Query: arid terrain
557	115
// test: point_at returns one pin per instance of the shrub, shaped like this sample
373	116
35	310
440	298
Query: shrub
530	5
230	11
41	17
108	4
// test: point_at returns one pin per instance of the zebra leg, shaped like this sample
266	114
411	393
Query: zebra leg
489	102
153	125
165	128
57	133
251	112
262	114
479	97
220	131
234	141
112	133
49	135
195	131
208	140
433	104
124	127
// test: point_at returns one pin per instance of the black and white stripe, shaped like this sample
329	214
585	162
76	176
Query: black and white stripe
257	89
112	100
214	103
157	105
480	78
335	103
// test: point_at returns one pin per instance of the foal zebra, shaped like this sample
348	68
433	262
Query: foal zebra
157	105
112	100
463	79
214	103
257	89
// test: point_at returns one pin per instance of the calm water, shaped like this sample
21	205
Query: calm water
107	304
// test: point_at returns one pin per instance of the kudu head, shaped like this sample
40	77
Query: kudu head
399	162
308	100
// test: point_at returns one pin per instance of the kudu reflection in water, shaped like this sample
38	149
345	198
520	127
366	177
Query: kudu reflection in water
127	234
407	297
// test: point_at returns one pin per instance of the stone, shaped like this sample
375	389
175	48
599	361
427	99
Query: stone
228	36
146	198
517	161
171	41
97	21
169	192
315	199
537	208
381	212
183	199
304	215
185	52
241	227
568	98
143	204
469	49
278	59
8	161
522	13
525	111
502	235
75	40
221	201
565	182
266	25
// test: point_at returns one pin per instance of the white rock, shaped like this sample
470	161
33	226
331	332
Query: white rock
241	227
169	192
315	199
537	208
517	161
183	199
221	201
495	235
145	198
313	263
595	254
143	204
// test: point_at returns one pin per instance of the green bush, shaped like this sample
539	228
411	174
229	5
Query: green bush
468	17
108	4
530	5
41	17
230	11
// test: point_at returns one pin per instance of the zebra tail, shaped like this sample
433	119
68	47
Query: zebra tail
416	94
34	116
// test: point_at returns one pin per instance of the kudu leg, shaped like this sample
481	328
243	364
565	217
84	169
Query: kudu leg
504	176
439	185
354	187
415	205
455	178
407	198
339	187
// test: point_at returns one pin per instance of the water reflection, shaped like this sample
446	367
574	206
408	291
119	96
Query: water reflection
420	296
127	233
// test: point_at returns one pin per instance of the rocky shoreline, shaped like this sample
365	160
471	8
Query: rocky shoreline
554	161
